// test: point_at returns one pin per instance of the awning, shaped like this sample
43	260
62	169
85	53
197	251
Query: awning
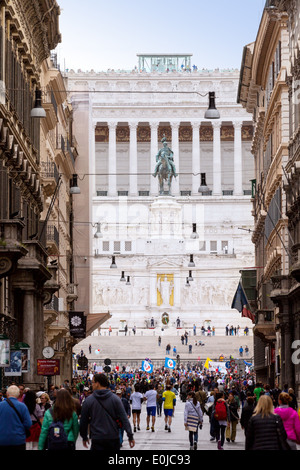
240	303
94	320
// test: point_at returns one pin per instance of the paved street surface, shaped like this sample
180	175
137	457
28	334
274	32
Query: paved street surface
177	439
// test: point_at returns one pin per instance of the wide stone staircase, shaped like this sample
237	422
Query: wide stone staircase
134	348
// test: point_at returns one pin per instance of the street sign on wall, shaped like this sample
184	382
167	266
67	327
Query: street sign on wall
48	367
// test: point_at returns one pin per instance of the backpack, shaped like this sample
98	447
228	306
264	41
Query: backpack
220	411
57	436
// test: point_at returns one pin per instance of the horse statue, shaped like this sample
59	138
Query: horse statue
165	167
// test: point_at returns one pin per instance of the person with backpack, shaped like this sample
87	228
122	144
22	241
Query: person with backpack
60	426
220	415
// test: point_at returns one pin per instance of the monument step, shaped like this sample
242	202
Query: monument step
141	346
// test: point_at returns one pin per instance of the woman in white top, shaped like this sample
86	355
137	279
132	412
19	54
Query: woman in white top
192	411
136	400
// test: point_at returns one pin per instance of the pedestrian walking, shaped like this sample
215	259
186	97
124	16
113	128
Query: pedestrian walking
159	400
169	403
265	429
201	396
220	416
136	400
233	418
44	403
102	413
247	412
193	418
293	402
290	419
15	421
63	411
125	403
36	416
151	398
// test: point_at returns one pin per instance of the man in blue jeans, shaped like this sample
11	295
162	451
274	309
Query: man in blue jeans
14	421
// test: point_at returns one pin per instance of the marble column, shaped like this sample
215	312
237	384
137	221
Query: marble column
133	159
112	159
196	157
32	320
175	148
153	153
92	143
238	173
217	166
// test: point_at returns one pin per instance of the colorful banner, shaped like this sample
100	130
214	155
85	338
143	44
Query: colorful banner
147	367
170	363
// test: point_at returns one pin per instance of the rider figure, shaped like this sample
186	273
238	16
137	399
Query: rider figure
168	154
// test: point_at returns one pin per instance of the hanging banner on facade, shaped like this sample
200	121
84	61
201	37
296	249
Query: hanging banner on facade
77	324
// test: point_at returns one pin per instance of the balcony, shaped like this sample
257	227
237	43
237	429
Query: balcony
265	325
280	288
50	107
72	293
295	267
50	177
51	311
11	248
52	240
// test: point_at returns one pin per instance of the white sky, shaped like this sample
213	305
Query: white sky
99	35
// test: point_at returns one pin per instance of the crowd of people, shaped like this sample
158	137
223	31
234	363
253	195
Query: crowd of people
101	408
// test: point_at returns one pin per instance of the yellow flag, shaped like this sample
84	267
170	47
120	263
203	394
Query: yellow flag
206	365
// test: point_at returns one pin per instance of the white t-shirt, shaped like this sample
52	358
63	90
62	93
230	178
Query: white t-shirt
151	398
136	400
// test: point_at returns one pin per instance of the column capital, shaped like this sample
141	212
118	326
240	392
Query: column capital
216	124
154	125
133	125
112	124
237	124
196	125
175	124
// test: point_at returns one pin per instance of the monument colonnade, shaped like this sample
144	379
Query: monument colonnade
196	156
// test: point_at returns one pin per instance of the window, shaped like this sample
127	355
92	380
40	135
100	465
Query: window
213	246
117	247
101	193
202	246
105	246
225	247
128	246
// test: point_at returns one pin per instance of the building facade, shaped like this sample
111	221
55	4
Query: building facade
123	117
267	89
29	31
58	155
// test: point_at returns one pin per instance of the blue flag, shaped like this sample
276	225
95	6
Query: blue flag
147	367
170	363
